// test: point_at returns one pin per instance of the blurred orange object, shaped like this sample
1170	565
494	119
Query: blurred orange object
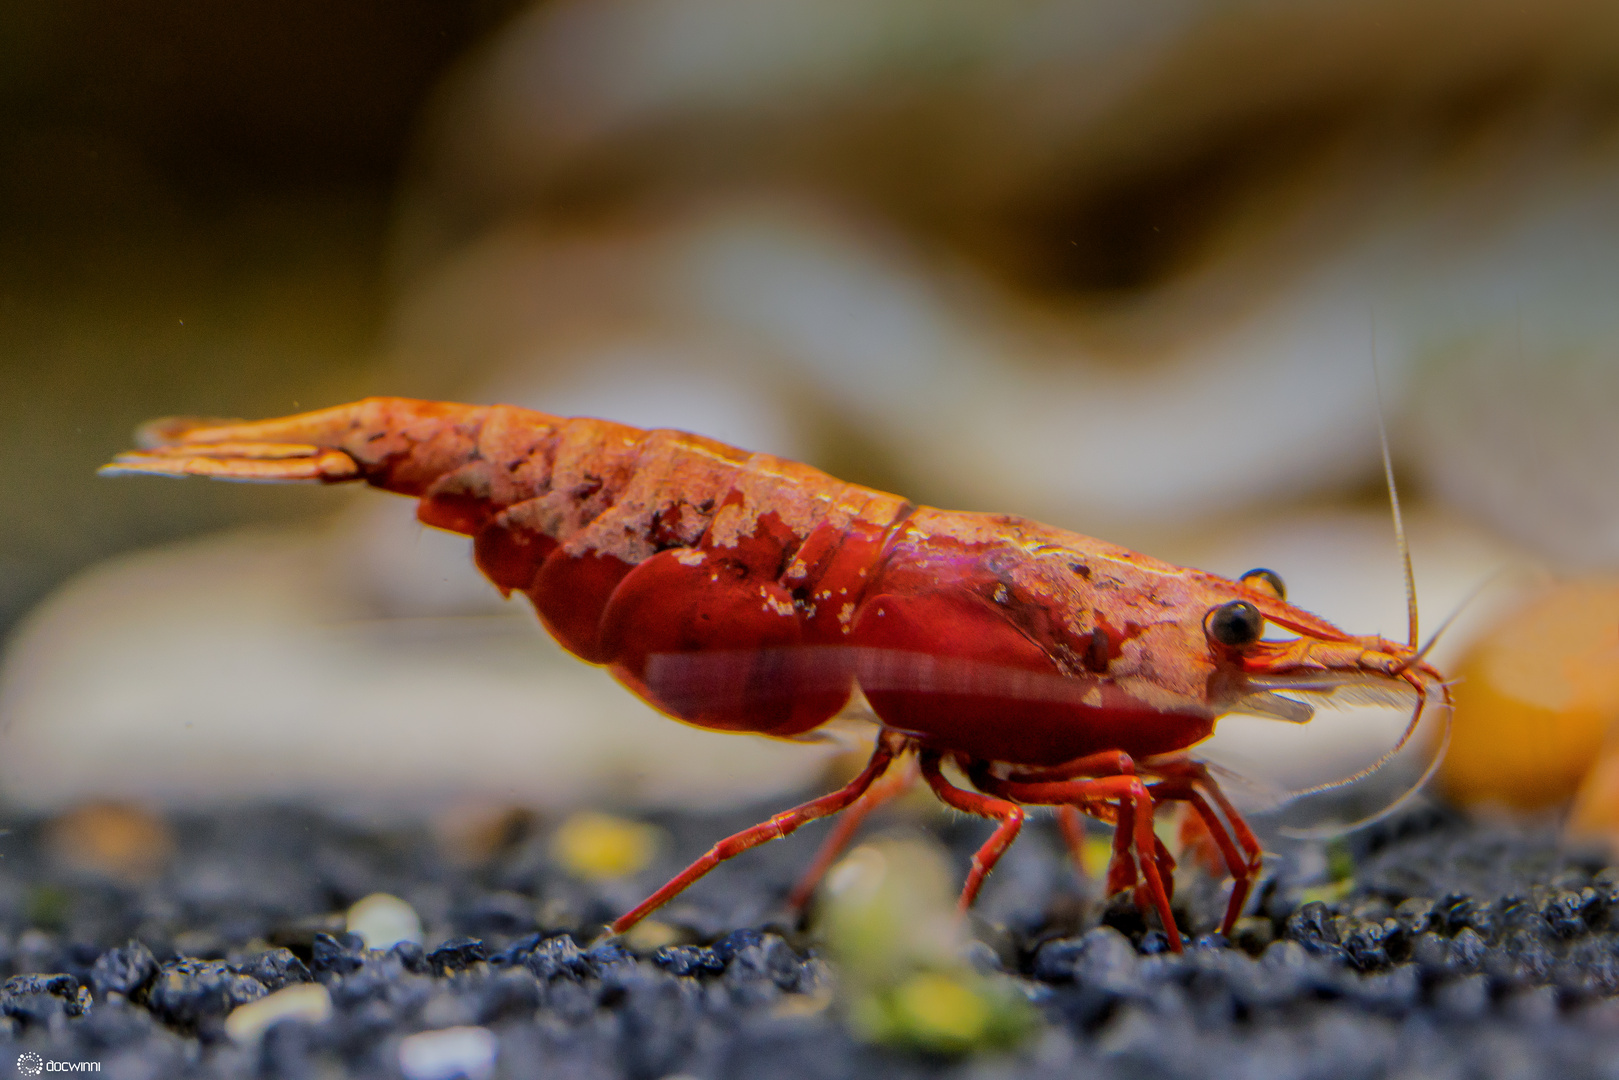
1536	700
121	841
1595	813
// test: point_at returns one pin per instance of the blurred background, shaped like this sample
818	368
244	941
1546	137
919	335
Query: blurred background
1124	269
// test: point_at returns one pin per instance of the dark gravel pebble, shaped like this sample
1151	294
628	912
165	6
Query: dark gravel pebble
457	954
38	999
1455	950
274	969
190	993
126	970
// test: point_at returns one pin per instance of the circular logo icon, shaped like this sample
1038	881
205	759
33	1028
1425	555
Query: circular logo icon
30	1064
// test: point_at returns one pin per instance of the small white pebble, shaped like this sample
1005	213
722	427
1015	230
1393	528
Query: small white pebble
306	1001
383	921
457	1053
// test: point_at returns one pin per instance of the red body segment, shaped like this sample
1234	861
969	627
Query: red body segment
785	587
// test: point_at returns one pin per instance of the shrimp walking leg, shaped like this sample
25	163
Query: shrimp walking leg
890	787
1106	763
1069	816
1122	872
1242	869
1134	834
888	747
1190	781
1009	814
1181	779
1071	823
1124	869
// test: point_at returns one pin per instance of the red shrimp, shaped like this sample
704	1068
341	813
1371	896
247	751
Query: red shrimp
742	592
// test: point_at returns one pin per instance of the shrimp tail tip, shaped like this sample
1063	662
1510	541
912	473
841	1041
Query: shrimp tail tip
166	430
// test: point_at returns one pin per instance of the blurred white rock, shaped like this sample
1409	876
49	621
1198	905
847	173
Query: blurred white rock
383	921
308	1002
863	209
453	1053
840	328
1516	409
242	666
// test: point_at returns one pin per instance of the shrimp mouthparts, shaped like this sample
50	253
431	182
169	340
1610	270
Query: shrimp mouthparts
1277	697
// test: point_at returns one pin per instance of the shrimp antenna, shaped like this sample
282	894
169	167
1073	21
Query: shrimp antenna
1328	832
1394	498
1412	634
1386	757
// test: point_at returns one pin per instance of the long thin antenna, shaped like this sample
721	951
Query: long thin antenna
1328	832
1394	496
1412	636
1387	755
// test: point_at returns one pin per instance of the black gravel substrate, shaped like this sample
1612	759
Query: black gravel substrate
1454	950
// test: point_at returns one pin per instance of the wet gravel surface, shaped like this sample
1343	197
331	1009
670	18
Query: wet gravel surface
1451	950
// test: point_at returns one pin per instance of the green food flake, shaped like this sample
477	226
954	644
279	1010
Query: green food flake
48	907
1326	894
1340	862
955	1012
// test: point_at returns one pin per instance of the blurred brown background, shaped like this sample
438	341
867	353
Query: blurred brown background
194	205
1123	269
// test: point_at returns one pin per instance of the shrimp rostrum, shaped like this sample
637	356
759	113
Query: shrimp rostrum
1009	663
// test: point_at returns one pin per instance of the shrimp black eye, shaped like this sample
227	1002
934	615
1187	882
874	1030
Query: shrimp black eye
1269	580
1234	625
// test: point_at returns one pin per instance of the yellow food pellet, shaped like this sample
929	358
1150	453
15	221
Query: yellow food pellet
599	847
939	1011
1535	698
1096	854
650	935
